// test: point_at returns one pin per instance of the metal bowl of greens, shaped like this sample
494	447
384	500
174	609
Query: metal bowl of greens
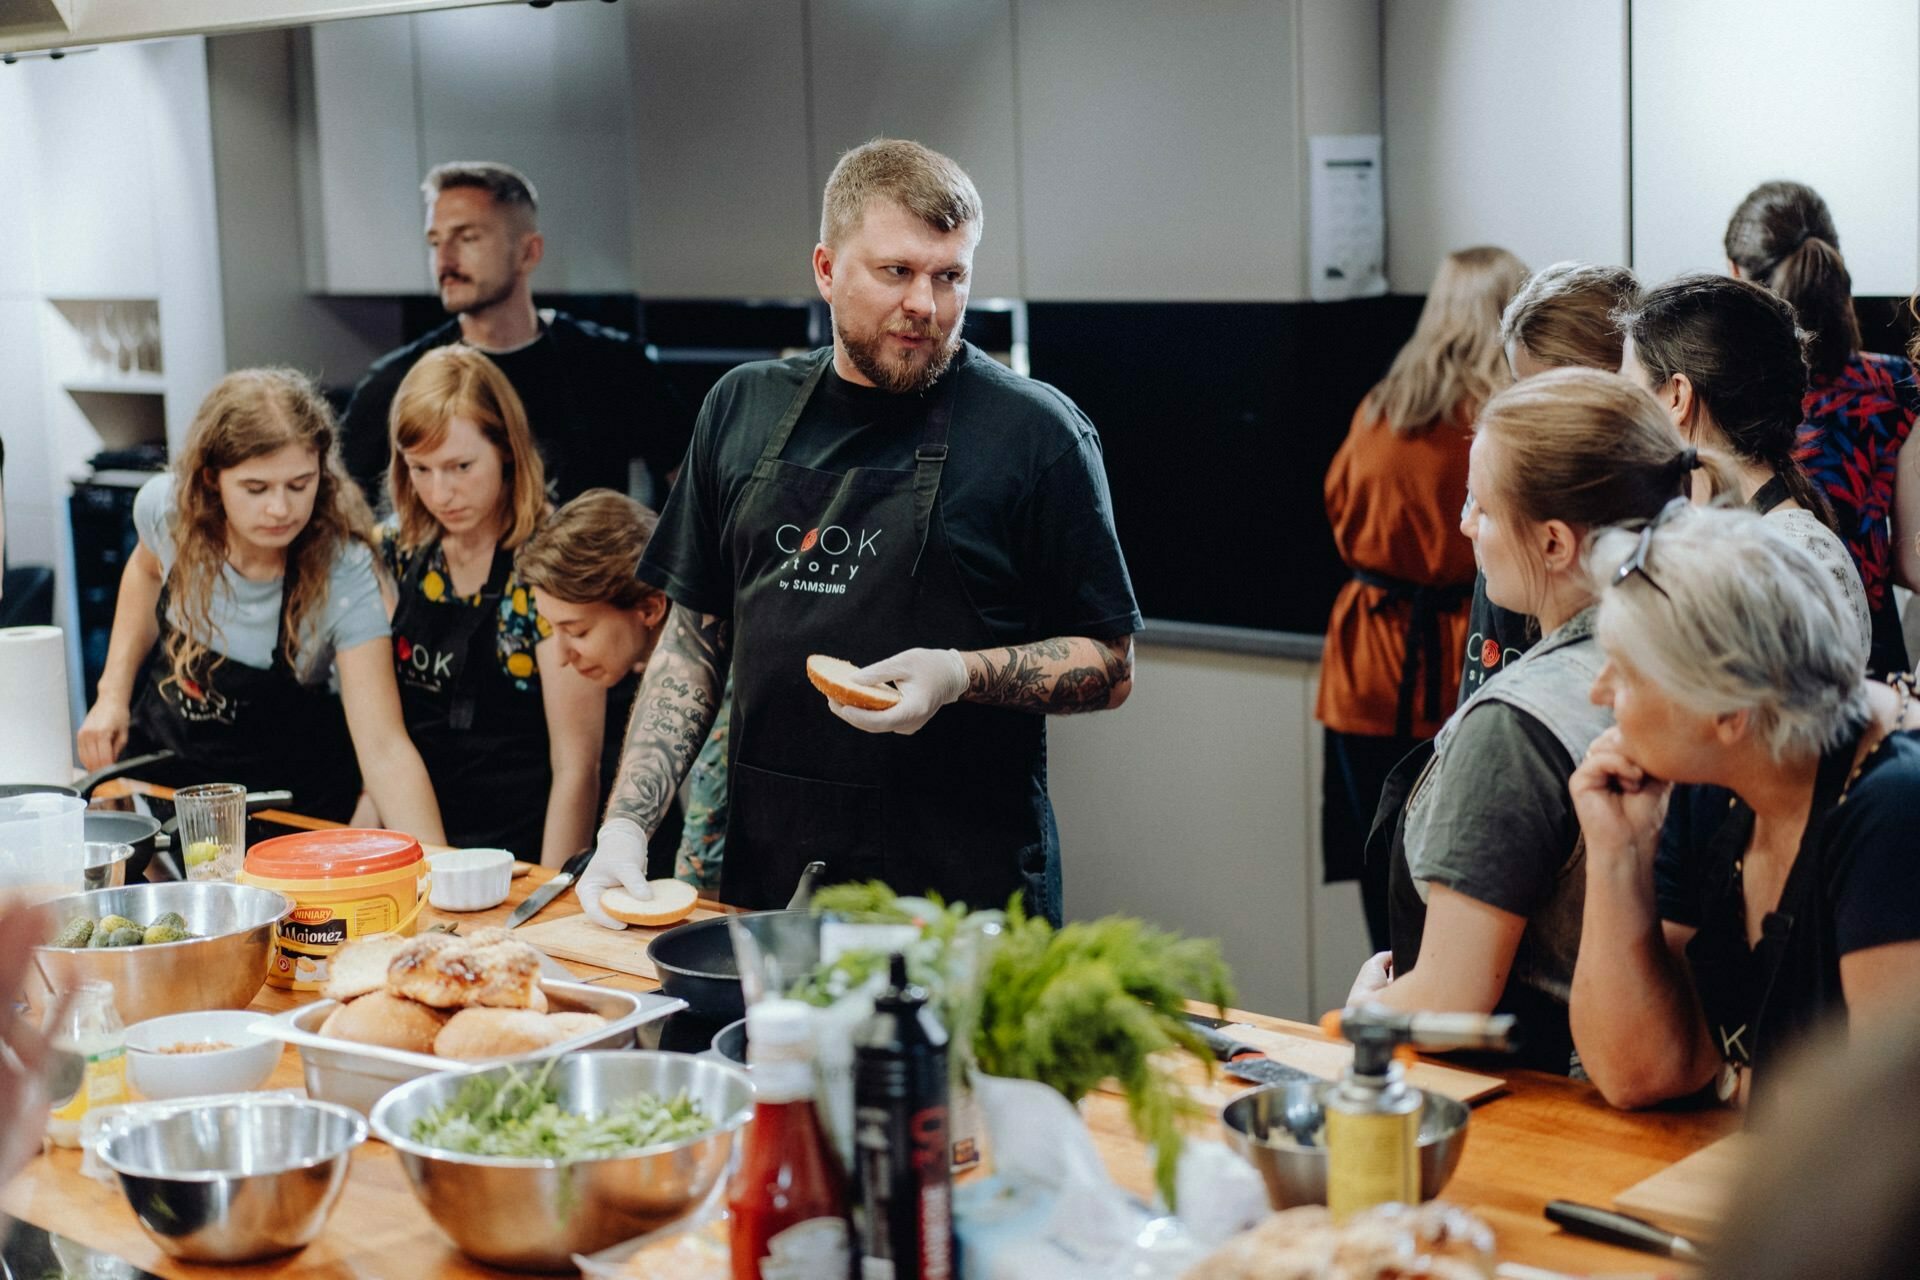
524	1166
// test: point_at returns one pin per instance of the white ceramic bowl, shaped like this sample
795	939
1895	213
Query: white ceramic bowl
470	879
246	1065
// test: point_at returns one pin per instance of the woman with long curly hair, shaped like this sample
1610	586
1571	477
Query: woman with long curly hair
254	575
510	734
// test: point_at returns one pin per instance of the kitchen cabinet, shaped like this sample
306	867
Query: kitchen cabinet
724	200
1160	151
940	72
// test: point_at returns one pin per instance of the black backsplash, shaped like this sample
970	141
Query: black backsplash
1218	422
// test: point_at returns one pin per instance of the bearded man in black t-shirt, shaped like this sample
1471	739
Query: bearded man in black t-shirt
594	401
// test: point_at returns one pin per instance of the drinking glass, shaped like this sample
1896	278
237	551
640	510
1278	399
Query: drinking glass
212	835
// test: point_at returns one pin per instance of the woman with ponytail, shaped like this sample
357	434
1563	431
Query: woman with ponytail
1799	903
1859	406
1485	850
1726	361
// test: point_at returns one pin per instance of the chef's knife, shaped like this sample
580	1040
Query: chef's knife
1245	1062
550	890
1622	1229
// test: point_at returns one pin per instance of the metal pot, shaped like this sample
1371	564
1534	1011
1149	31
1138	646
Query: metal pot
120	826
696	962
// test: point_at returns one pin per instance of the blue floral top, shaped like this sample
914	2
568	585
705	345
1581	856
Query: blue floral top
518	628
1850	445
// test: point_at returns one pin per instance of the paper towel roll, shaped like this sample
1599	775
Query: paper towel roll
36	729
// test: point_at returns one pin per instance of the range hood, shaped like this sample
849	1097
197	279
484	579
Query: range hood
64	24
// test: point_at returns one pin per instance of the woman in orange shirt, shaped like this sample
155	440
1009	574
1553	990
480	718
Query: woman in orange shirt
1391	663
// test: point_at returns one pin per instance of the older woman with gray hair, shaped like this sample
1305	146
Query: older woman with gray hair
1705	954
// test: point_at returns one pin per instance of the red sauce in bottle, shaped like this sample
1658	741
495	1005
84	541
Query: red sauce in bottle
788	1198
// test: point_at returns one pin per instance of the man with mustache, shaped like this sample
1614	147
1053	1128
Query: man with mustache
593	399
901	500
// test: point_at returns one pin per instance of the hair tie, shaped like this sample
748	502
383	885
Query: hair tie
1689	459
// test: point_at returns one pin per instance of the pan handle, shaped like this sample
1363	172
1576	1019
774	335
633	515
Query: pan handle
118	769
803	892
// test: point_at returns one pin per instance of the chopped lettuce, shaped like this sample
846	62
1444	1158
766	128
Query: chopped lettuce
520	1116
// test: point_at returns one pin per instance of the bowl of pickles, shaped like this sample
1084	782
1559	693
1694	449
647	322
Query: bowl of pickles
166	948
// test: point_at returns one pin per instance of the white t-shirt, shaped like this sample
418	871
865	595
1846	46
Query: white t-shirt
1824	545
246	614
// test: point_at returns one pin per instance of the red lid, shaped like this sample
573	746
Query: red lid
337	851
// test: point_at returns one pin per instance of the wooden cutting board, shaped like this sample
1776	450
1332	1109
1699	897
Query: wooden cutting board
1328	1059
1690	1195
577	938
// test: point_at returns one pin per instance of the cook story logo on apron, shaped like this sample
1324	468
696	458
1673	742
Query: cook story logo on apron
823	560
199	705
430	670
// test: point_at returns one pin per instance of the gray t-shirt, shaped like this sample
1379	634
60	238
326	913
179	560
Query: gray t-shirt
1504	833
246	614
1825	546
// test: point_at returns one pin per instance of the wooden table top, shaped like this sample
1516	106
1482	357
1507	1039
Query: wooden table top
1545	1138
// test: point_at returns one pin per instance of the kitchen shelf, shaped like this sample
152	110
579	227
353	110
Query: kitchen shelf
144	385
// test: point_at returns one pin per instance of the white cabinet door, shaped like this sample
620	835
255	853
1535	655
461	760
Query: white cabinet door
1160	155
724	200
1728	94
544	90
360	158
939	72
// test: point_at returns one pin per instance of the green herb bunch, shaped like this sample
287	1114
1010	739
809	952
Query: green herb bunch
1076	1006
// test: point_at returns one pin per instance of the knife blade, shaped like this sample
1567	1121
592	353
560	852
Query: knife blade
1622	1229
550	890
1245	1062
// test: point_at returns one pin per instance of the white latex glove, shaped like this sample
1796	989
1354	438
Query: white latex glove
928	679
619	862
1374	974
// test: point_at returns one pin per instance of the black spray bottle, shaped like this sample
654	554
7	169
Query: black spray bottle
905	1215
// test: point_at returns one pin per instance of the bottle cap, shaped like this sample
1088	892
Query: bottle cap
901	993
775	1027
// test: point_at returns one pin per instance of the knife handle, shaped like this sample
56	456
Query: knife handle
1613	1227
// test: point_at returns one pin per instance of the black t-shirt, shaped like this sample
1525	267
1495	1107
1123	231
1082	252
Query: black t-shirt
1023	494
1496	638
1866	894
593	400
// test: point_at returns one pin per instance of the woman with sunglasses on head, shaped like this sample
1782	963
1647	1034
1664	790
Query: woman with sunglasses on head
1704	957
1724	358
1485	850
253	576
1859	406
510	735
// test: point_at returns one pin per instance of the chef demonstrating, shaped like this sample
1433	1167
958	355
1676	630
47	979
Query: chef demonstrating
594	400
899	500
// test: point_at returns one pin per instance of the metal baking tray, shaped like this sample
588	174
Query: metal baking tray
359	1075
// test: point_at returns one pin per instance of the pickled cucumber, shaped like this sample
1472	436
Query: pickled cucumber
172	919
75	934
101	937
108	924
130	936
164	933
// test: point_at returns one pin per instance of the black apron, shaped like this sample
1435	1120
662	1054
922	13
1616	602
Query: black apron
1739	985
1420	664
231	722
857	565
484	741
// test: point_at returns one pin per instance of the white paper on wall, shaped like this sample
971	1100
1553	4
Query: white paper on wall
1347	223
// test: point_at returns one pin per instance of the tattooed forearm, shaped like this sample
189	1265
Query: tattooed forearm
1062	676
672	714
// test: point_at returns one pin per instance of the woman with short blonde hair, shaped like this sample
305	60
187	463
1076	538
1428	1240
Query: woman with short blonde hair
253	576
1709	948
510	735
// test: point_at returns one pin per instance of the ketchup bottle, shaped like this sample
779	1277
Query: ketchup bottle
788	1199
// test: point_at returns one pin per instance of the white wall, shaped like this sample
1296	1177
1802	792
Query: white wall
1728	94
30	494
1507	125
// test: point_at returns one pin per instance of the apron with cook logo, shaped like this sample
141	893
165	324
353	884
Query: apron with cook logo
482	737
230	722
857	565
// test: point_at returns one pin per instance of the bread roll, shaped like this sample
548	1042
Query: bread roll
576	1024
361	966
672	902
834	677
388	1021
472	1034
457	974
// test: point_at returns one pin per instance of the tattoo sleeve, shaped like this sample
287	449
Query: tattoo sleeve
672	715
1063	676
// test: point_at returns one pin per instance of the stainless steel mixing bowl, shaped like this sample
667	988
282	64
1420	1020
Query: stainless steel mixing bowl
223	968
1297	1174
533	1215
235	1182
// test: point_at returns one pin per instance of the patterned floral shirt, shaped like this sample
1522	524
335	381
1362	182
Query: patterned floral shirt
1850	445
518	628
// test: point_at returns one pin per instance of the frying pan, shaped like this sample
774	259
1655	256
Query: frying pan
82	787
696	962
135	829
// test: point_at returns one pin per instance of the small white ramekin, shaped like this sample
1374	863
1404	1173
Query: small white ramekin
470	879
